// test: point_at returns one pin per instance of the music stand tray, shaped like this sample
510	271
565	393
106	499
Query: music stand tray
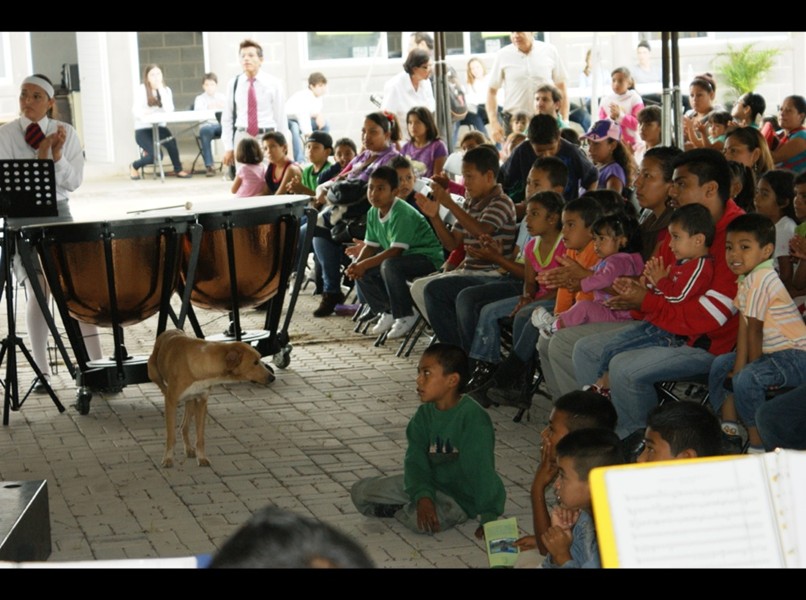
27	191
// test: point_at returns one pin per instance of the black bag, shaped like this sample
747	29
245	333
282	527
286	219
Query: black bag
347	192
351	196
346	229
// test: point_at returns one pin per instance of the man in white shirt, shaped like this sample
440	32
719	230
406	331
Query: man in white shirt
270	93
521	68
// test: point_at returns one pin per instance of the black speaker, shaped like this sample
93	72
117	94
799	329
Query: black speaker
70	79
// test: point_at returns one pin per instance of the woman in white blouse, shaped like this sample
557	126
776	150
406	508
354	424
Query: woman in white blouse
153	96
410	88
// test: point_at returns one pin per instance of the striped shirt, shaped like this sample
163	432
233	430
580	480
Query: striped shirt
762	296
498	210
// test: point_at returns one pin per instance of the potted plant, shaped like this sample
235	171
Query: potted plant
743	69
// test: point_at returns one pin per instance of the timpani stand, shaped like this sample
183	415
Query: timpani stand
113	273
27	190
245	260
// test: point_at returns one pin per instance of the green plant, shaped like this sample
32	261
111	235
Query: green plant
743	69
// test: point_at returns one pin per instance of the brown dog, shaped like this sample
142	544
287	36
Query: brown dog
185	368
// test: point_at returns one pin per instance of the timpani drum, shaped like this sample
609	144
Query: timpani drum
113	273
245	260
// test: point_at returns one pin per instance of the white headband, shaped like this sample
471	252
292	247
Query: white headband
41	83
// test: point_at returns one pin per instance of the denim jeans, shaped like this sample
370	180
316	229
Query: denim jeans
781	420
472	119
785	368
145	139
329	254
470	303
440	295
297	145
486	344
644	335
384	287
633	374
556	355
208	133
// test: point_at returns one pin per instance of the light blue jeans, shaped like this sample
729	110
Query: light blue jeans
486	344
786	368
633	374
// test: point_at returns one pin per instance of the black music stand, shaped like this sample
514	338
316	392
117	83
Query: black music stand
27	191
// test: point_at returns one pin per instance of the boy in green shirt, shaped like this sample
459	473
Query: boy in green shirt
449	471
399	245
318	148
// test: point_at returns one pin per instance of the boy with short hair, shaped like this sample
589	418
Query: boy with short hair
677	430
487	214
449	472
771	343
399	245
573	411
210	130
649	129
571	539
304	113
318	149
691	234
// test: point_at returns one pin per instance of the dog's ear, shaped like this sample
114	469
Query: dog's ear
233	359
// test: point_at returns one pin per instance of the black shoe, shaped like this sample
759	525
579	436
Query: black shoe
40	387
481	374
386	511
328	304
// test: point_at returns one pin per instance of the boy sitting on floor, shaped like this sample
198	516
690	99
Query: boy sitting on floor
449	471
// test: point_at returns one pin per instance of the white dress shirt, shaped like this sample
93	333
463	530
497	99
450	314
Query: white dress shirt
140	106
271	114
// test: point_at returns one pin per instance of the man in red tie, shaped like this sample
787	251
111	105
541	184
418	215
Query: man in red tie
255	102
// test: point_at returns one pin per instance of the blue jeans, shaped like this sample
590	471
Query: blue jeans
440	294
633	374
644	335
145	139
297	145
470	303
472	119
486	344
385	289
208	133
781	420
329	254
786	368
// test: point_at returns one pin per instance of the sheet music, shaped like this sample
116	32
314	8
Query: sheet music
787	471
687	515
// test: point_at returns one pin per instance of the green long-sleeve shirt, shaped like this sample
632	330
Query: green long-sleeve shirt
452	451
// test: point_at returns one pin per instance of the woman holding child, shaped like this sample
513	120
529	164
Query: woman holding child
378	135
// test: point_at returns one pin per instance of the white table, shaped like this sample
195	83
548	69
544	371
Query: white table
190	118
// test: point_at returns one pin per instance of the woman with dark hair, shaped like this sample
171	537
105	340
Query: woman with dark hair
36	135
748	110
791	150
153	96
746	145
411	87
378	137
702	93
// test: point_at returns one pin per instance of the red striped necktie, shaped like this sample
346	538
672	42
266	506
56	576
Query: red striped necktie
34	135
251	109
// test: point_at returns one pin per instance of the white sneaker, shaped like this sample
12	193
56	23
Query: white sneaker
401	327
543	320
384	324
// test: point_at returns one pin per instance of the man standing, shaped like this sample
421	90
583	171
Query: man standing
521	68
255	102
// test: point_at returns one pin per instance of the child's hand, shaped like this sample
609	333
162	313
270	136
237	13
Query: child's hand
630	294
527	542
547	469
797	247
654	270
479	533
354	250
522	301
565	518
295	186
615	111
486	253
355	271
427	520
558	543
430	208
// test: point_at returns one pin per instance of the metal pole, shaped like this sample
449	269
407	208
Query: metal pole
666	105
678	100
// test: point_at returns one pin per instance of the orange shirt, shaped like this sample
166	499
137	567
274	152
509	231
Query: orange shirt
565	298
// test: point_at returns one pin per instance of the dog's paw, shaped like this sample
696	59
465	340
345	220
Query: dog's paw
203	461
167	462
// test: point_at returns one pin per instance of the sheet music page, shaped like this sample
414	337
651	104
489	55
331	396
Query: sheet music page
786	469
691	514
